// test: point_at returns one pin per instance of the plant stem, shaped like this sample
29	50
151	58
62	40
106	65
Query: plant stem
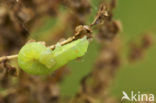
80	32
3	58
70	39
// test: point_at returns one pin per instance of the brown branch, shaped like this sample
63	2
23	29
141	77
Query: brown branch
3	58
63	42
81	31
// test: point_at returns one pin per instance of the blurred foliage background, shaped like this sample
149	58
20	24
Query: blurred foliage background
137	18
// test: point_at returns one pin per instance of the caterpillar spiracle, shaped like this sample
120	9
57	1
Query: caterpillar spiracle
35	58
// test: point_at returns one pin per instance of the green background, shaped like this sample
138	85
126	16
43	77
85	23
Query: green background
137	17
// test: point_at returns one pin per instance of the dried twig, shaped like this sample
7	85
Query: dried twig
101	15
81	31
3	58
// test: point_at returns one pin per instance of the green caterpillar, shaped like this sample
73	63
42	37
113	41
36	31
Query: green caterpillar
37	59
